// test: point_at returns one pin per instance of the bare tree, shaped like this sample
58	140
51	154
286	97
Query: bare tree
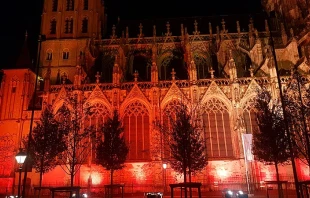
270	141
47	141
112	150
72	115
297	106
187	147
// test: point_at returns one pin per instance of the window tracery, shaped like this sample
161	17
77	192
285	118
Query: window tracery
137	131
165	69
168	113
202	66
217	130
249	116
97	119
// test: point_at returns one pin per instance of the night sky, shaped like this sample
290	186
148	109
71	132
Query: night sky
22	15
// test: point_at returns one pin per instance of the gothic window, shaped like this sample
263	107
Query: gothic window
217	131
249	116
69	26
54	5
106	65
85	5
141	64
65	54
49	54
85	25
137	131
178	64
165	69
169	113
202	67
53	26
96	119
70	5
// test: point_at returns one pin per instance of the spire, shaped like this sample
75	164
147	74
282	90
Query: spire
24	60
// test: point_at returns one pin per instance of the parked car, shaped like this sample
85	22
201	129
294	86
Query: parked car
228	193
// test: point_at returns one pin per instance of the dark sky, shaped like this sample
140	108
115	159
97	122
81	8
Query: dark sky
22	15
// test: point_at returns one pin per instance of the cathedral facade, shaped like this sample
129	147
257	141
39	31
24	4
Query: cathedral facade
214	65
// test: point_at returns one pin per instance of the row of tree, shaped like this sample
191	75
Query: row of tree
63	138
282	133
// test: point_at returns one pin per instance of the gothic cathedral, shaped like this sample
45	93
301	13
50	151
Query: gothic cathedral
143	70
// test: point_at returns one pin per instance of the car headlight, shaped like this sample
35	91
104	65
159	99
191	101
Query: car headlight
240	192
230	192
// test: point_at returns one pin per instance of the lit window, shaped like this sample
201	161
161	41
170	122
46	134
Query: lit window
49	56
65	54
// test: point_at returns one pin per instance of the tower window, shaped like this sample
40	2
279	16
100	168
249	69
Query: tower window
70	5
65	55
53	26
69	26
49	56
54	5
85	25
85	6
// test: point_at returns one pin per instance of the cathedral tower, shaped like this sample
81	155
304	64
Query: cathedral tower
68	25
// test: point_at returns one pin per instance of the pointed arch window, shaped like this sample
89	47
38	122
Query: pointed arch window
69	26
217	130
96	120
85	25
54	5
169	113
250	119
70	5
49	54
202	66
165	69
65	54
85	5
53	26
137	131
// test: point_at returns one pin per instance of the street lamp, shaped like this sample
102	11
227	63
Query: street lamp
20	158
164	167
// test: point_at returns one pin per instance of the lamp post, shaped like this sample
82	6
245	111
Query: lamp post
40	40
20	158
164	169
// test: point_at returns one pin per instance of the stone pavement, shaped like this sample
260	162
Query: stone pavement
211	194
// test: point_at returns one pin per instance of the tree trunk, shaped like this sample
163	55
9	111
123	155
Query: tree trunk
190	181
185	189
41	175
111	175
72	176
280	191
